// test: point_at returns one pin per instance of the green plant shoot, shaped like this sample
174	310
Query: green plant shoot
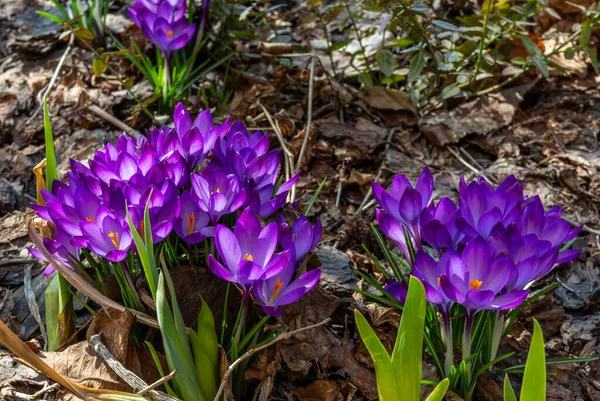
399	376
534	379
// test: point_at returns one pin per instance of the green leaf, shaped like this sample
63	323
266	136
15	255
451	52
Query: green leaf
416	67
407	357
439	391
51	296
586	33
51	174
593	59
386	62
450	91
444	25
98	66
509	393
365	79
540	63
205	347
531	47
534	380
51	17
384	370
315	196
84	33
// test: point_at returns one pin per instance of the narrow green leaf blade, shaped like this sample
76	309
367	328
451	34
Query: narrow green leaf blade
51	174
509	393
52	313
407	357
439	391
384	371
534	380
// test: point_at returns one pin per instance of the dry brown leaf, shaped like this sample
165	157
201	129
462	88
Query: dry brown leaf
382	98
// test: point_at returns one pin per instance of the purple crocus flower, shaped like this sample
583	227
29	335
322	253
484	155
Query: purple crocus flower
108	235
405	203
397	289
474	279
163	208
248	252
281	289
60	249
481	206
430	273
394	230
303	237
439	225
163	23
263	202
193	222
548	226
217	194
533	258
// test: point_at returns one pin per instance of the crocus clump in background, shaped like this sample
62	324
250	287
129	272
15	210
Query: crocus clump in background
194	179
476	259
164	23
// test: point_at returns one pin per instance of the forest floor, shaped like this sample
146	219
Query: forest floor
544	131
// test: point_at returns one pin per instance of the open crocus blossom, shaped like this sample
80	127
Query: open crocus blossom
163	23
406	203
281	289
303	237
481	206
248	253
107	235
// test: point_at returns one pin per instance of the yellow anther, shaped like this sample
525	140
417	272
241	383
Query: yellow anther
190	218
248	257
114	237
475	284
277	289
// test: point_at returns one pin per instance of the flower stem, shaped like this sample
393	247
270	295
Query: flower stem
449	343
497	332
166	81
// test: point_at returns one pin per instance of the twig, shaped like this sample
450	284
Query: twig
309	118
45	92
114	121
289	160
388	142
137	384
22	396
252	351
159	382
470	167
16	261
338	197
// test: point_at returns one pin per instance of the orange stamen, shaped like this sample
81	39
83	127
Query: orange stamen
248	257
475	284
294	236
191	218
90	219
114	237
170	34
277	289
439	280
142	230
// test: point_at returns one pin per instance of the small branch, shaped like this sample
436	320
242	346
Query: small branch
252	351
159	382
137	384
45	92
289	160
363	205
114	121
470	167
309	112
30	397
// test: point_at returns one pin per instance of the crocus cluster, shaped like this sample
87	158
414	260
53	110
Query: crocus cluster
251	261
164	23
489	248
190	178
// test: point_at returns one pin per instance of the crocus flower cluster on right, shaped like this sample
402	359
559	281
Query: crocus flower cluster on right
481	255
196	180
491	246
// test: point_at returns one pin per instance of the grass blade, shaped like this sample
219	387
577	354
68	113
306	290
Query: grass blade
439	391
